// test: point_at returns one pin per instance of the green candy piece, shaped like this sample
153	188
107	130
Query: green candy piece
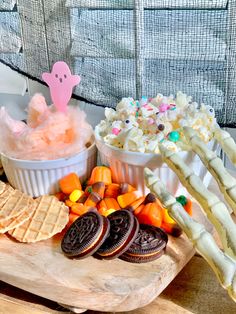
174	136
182	200
90	189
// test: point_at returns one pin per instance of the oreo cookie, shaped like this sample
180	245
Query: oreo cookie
85	235
124	228
148	245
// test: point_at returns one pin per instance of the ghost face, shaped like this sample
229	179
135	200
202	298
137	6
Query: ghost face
61	73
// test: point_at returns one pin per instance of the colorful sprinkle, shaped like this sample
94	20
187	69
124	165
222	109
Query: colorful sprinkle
182	200
161	127
115	131
151	121
163	107
174	136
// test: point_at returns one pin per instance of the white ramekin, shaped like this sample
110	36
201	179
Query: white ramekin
37	178
129	166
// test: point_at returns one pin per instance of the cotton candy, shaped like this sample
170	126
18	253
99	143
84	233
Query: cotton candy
48	134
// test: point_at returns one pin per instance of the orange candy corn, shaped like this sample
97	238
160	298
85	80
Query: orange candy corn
70	183
100	174
172	229
72	218
112	190
108	203
166	217
69	203
102	210
136	203
139	209
126	199
79	209
99	187
92	199
126	188
151	214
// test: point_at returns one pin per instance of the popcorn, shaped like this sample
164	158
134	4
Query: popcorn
140	125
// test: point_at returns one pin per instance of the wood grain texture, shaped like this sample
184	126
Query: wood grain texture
115	285
90	283
194	290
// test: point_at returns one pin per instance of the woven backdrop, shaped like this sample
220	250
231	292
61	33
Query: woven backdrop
128	47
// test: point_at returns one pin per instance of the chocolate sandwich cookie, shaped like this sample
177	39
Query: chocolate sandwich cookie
85	235
123	230
148	245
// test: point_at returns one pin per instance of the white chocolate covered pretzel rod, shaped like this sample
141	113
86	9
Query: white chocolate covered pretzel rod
223	265
216	210
226	182
227	143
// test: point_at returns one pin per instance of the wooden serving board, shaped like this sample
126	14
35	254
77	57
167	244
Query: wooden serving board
115	285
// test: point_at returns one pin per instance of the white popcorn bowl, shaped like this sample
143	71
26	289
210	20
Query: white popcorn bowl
129	166
40	177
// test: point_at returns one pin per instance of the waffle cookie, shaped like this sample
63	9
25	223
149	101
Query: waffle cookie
147	246
123	231
16	203
49	218
85	235
12	223
7	192
2	187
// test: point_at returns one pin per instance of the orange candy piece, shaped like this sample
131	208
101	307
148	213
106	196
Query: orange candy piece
126	199
139	209
70	183
137	203
151	214
186	203
126	188
100	174
99	187
189	207
69	203
166	217
112	190
172	229
108	203
72	218
92	199
79	209
61	196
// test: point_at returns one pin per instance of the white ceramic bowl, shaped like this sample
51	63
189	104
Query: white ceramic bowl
37	178
129	166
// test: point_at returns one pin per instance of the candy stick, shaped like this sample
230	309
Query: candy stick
226	182
216	211
223	265
227	143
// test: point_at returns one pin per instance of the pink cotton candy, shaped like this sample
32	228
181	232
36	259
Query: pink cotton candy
49	134
38	111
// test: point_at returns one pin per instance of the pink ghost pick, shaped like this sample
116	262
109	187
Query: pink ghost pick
61	83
